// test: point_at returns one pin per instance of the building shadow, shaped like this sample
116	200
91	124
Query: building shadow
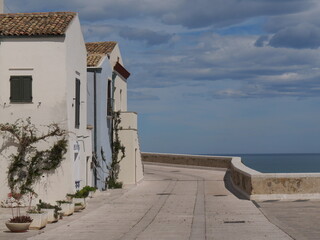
229	186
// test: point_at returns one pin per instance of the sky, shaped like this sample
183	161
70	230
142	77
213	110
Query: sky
212	76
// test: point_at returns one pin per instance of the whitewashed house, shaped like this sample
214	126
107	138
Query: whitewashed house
107	87
1	6
46	54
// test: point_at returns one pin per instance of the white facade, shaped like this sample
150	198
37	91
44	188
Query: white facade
54	63
111	89
1	6
97	90
131	169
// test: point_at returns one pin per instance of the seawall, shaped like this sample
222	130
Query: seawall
252	184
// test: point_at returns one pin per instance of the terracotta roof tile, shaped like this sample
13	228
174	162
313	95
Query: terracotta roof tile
100	47
94	60
97	50
35	24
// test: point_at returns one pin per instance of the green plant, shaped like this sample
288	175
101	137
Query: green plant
90	189
114	185
62	201
34	210
20	219
28	164
118	153
83	193
44	205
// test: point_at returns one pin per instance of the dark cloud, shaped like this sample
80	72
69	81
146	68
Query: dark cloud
145	35
188	13
300	36
227	12
262	41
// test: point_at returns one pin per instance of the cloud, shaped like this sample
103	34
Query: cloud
145	35
141	96
300	36
262	41
186	13
263	72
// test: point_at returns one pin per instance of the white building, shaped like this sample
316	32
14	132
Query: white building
106	70
1	6
46	53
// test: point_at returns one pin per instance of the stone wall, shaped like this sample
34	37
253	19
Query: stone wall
195	160
251	183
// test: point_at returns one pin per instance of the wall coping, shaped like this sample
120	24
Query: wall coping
238	164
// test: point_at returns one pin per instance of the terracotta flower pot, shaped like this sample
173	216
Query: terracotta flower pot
17	227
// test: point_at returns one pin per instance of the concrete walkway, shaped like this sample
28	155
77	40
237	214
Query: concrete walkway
171	203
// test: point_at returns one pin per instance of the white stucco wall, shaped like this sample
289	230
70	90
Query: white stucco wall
131	170
1	6
76	66
54	63
103	74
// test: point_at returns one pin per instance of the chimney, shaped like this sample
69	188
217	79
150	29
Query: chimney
1	6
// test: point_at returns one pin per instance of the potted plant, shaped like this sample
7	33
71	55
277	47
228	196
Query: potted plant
78	207
18	222
91	191
67	207
28	164
80	196
51	210
40	219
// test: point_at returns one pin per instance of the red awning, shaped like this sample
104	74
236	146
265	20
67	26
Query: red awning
121	70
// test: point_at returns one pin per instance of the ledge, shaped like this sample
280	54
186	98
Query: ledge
251	183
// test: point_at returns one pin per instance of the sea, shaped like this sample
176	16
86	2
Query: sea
281	163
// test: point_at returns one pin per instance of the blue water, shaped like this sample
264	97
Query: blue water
282	163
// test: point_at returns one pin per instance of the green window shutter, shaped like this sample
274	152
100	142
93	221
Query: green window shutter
21	88
27	89
77	104
15	87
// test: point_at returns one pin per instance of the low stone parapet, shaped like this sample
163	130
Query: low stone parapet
183	159
252	184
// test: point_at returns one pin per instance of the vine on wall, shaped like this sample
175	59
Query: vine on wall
28	164
118	153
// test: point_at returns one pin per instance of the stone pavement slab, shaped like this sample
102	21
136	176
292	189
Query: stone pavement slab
172	203
300	218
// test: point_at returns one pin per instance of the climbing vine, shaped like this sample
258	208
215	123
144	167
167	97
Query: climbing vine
118	153
28	164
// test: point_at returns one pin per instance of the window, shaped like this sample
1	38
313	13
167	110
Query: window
77	104
109	103
21	89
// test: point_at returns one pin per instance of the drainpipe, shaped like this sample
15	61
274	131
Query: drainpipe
95	122
112	104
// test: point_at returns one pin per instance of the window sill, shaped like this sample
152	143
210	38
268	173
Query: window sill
21	102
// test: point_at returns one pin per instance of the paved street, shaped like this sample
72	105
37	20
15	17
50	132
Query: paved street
300	218
171	203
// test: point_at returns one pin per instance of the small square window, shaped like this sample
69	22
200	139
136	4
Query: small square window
21	89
